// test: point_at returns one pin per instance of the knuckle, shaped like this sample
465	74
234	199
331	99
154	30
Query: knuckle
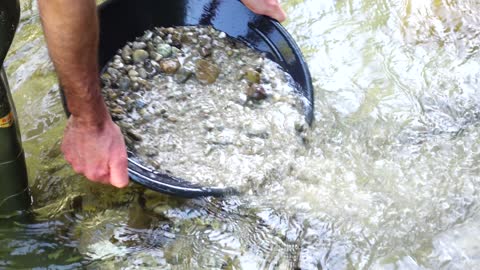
122	162
120	185
96	174
68	159
78	169
256	9
89	176
272	3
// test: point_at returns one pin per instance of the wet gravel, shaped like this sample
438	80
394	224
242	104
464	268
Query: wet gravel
199	105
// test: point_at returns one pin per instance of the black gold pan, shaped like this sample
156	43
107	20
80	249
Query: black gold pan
124	20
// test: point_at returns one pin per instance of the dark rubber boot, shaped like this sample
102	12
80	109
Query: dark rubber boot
14	193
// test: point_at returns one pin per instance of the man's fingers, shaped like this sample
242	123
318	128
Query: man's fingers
105	180
97	173
119	171
269	8
78	168
278	15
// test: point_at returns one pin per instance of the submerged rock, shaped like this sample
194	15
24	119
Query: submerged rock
156	56
189	37
140	56
114	74
256	92
127	54
139	45
204	52
123	83
183	75
204	40
170	66
252	75
206	72
142	73
132	74
164	50
134	136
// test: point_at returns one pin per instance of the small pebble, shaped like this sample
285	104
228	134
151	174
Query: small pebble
123	83
134	136
117	110
183	75
203	40
206	72
117	64
300	126
140	56
140	104
113	73
256	92
139	45
176	51
204	52
142	73
170	66
133	73
164	50
252	75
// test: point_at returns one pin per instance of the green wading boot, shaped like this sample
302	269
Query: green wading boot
14	192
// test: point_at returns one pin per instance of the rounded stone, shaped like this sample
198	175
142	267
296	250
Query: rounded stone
164	50
117	110
134	136
132	73
113	73
157	40
127	54
140	104
203	40
139	45
256	92
170	66
148	35
156	56
142	73
183	75
118	64
140	56
123	83
188	37
252	75
206	72
176	51
204	52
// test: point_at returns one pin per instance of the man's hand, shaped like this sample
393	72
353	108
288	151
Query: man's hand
92	143
269	8
98	152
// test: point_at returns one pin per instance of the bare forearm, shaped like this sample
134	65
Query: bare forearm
71	31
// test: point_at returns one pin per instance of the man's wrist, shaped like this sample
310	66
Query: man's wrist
88	109
95	120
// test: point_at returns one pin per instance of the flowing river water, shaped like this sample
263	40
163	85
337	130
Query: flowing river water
390	179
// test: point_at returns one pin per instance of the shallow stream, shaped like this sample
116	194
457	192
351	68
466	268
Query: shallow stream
391	178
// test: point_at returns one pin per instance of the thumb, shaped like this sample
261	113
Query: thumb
278	14
119	171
